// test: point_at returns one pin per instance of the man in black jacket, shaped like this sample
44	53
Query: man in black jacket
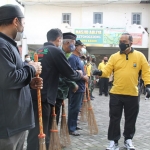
16	112
53	63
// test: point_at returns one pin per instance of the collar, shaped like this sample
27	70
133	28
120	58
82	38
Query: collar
132	50
5	37
48	43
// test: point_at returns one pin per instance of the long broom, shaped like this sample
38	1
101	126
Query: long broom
54	137
41	136
92	124
64	133
84	109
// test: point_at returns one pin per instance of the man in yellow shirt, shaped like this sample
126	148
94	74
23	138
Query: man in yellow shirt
103	81
126	66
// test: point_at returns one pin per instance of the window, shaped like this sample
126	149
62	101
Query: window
66	18
98	17
136	18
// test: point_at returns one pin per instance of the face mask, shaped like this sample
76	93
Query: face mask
72	47
86	61
28	59
82	62
123	46
105	60
60	47
83	51
19	36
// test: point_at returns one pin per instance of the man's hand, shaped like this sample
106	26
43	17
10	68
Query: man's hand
75	88
36	83
80	71
37	66
147	91
86	78
97	72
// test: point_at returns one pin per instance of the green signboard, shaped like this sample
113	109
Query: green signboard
93	37
99	37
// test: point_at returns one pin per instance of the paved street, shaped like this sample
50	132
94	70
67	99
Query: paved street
99	142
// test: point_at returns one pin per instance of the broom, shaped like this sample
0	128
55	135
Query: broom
54	137
84	109
64	133
41	135
92	125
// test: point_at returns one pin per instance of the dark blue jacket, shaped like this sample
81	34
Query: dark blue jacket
16	112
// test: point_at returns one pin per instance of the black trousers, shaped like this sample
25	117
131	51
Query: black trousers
58	105
103	85
117	103
32	139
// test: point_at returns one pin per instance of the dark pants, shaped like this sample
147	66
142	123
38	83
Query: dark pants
103	85
131	109
75	100
14	142
32	140
58	105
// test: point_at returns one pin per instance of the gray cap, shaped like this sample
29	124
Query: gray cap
10	11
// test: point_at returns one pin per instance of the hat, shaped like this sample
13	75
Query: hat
78	42
69	35
10	11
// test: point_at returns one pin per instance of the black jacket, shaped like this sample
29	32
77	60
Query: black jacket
53	63
16	112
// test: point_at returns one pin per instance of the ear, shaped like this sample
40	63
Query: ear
15	21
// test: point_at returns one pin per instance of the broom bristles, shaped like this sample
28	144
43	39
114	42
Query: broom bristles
54	137
64	133
42	145
84	110
92	124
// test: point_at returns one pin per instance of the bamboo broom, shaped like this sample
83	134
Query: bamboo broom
64	133
84	109
41	136
92	124
54	137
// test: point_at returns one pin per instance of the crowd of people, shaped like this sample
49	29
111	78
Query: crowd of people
64	69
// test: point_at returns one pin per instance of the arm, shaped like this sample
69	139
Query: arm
62	64
11	77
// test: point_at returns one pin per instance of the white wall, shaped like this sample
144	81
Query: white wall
41	18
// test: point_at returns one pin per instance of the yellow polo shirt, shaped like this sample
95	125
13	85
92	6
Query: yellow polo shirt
88	69
126	72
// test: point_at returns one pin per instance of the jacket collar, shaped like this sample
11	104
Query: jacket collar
48	43
5	37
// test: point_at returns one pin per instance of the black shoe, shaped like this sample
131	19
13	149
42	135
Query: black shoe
106	95
78	128
92	96
100	94
75	133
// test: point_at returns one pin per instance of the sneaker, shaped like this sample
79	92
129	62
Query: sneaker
146	98
112	146
128	145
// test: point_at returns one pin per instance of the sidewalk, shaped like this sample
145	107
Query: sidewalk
99	142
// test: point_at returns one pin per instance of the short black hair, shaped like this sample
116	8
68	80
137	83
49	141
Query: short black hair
26	55
53	34
8	22
130	36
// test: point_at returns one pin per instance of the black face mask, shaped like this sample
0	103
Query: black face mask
105	60
123	46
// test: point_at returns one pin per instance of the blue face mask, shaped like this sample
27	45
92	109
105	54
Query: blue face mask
72	47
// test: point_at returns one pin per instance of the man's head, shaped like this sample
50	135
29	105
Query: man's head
79	45
27	58
55	36
12	21
69	42
93	58
105	59
125	42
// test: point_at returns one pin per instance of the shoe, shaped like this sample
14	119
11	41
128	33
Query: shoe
146	98
113	146
128	145
100	94
75	133
92	96
106	95
78	128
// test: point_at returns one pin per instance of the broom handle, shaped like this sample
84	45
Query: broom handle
39	104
